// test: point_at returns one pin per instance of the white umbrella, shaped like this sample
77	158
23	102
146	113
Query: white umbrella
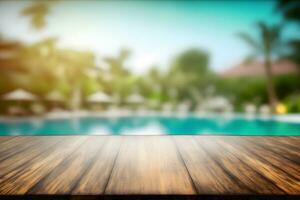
55	96
19	95
99	97
135	98
218	102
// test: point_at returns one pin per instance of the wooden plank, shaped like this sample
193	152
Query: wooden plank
232	163
21	158
96	178
276	176
276	148
289	142
149	165
208	176
4	139
264	154
16	145
22	179
63	178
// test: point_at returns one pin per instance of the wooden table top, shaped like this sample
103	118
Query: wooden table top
149	165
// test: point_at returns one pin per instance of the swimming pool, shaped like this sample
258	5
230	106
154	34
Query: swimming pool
149	125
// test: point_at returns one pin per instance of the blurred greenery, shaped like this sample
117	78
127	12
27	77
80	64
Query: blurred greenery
44	67
269	46
291	12
252	89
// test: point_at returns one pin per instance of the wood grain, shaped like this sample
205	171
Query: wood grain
4	139
208	176
277	176
149	165
289	142
61	180
22	157
21	180
16	145
96	178
233	163
267	156
275	145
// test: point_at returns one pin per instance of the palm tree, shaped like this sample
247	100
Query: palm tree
290	10
268	47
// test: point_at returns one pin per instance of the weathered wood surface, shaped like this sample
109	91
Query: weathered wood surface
149	165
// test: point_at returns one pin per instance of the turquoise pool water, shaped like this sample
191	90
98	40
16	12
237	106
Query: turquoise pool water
154	125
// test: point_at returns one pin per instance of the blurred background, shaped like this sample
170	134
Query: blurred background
149	56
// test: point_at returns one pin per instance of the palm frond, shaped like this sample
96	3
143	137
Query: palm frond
290	9
266	37
250	41
282	4
274	38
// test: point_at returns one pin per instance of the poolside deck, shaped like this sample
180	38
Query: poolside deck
149	165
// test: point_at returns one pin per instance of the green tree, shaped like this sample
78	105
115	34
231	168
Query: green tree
45	67
9	63
192	61
189	73
291	12
152	84
121	81
268	46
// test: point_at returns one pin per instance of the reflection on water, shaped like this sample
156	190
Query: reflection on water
152	128
148	126
98	130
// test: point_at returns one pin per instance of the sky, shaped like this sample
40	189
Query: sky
155	31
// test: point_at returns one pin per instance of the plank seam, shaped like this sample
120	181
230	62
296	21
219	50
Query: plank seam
228	173
36	185
89	165
113	166
185	166
258	173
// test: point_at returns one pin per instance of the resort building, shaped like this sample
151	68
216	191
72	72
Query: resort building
257	68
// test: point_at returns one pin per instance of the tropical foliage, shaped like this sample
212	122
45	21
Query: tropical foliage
291	12
268	47
43	67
